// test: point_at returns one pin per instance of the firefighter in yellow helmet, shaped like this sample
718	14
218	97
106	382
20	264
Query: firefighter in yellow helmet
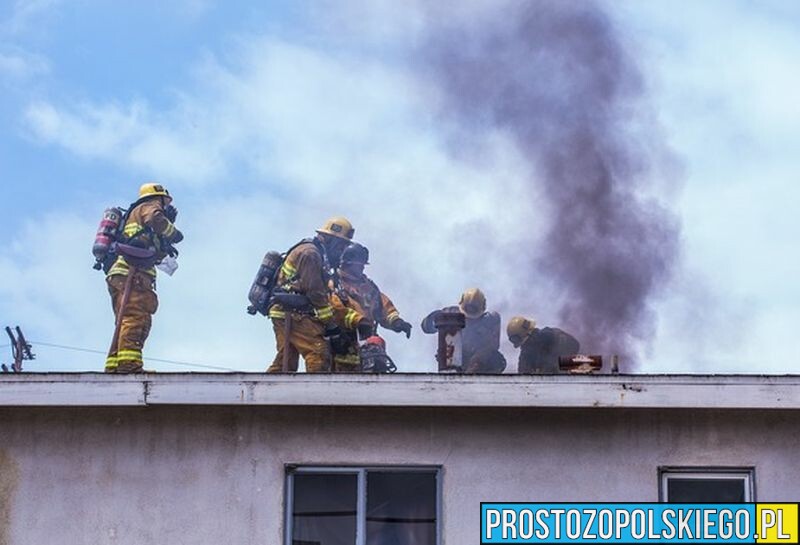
539	348
359	307
147	237
301	310
481	336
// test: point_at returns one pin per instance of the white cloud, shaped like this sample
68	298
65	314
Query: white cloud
128	134
26	14
302	134
723	81
17	65
48	287
193	8
20	64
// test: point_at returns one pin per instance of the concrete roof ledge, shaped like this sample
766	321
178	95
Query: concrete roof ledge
402	390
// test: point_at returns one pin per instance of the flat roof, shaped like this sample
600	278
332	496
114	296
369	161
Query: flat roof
402	390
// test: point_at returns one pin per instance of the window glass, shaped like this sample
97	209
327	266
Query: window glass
324	510
401	508
683	490
712	484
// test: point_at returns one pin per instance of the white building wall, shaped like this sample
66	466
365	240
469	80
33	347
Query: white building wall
215	474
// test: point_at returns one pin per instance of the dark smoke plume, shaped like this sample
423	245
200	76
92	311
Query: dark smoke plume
555	77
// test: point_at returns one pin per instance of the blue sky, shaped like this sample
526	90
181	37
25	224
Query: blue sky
264	118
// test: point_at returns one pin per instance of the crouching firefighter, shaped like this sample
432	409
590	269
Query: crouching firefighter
144	237
540	348
300	306
481	336
360	307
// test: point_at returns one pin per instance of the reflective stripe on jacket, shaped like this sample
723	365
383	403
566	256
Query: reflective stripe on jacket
302	272
359	298
148	226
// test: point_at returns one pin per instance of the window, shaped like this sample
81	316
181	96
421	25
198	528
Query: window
719	485
362	506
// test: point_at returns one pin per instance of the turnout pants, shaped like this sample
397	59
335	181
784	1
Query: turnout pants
348	363
307	339
491	362
125	355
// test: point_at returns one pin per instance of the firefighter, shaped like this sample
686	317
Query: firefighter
360	307
149	229
539	348
481	336
301	310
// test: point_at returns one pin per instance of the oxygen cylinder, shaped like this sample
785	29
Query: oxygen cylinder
106	235
261	289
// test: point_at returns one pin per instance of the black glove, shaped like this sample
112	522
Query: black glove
401	326
171	212
176	237
366	329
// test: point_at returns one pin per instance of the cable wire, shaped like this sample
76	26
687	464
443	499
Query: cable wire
89	350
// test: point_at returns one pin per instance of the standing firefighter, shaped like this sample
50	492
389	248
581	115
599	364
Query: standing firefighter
300	308
147	236
481	336
360	307
539	348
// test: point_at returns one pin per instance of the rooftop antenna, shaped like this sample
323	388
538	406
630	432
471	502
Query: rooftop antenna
20	350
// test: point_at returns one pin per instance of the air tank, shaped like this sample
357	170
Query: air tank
261	289
106	234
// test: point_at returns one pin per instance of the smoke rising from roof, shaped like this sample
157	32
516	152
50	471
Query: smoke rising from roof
556	78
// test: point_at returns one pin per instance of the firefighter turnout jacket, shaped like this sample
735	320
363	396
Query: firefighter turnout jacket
539	353
357	299
303	272
147	226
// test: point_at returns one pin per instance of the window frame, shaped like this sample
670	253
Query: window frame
361	490
745	474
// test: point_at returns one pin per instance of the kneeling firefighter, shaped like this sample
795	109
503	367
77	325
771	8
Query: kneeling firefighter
299	305
360	307
129	245
540	348
480	337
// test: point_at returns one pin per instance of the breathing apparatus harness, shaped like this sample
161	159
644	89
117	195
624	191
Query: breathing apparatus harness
265	291
111	241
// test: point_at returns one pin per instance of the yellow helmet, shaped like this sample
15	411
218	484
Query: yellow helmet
519	329
338	226
473	303
151	189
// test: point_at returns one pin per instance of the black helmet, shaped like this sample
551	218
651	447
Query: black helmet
355	253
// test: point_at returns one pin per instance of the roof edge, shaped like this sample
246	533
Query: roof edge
402	390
